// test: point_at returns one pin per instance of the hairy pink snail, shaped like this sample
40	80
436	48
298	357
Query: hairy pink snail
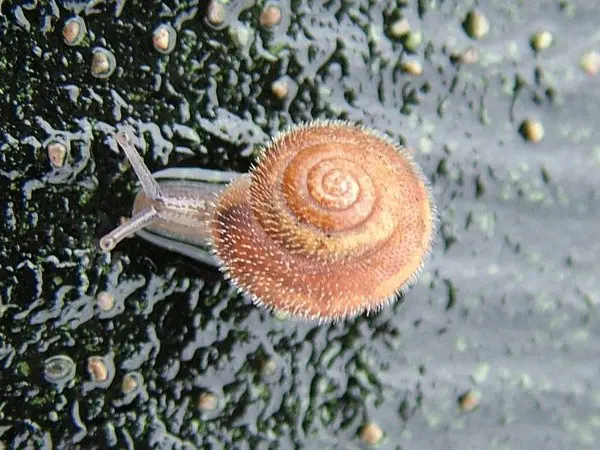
332	221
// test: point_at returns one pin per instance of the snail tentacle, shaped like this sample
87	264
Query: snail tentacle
152	190
139	221
149	184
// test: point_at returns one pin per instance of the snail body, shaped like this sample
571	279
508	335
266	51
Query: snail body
333	220
187	231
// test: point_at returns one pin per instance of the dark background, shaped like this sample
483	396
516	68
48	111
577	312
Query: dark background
506	308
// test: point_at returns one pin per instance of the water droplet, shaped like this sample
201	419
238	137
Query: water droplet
280	88
131	382
103	63
371	433
164	39
106	301
590	62
57	152
541	40
469	401
399	28
476	25
270	15
532	130
97	369
215	13
59	369
74	30
207	401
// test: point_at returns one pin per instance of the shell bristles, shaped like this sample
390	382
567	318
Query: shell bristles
372	306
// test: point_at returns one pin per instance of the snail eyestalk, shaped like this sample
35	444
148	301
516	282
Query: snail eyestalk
139	221
149	184
151	189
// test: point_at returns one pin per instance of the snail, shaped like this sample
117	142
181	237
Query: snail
333	220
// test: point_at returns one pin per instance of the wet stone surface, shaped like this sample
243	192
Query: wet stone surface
506	308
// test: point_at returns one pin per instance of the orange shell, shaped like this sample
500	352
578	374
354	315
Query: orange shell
333	221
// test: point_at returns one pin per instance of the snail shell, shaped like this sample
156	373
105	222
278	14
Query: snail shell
333	220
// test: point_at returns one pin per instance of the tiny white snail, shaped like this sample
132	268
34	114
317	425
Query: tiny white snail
334	220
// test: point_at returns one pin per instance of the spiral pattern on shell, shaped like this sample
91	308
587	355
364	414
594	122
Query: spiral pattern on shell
334	220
